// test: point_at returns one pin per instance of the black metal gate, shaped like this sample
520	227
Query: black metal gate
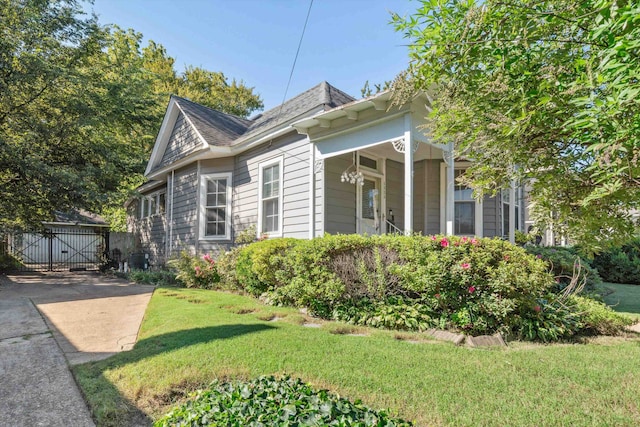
58	248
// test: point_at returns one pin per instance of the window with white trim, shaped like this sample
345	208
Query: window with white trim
154	204
270	207
506	202
464	207
215	206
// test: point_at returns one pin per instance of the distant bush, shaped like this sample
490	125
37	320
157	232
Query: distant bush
8	262
268	401
564	263
195	271
620	264
161	277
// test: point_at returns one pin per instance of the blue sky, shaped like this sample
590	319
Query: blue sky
346	43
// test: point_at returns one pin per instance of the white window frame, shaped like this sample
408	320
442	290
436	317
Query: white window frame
479	224
145	204
203	205
518	227
279	161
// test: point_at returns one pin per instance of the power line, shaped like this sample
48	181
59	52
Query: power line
284	98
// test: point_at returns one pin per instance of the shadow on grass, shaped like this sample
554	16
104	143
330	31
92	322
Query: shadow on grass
108	406
624	298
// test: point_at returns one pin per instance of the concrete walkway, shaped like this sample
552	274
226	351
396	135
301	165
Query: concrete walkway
51	321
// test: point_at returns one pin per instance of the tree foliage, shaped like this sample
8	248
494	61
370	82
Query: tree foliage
544	92
80	107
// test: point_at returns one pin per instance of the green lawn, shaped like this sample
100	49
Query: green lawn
623	298
189	337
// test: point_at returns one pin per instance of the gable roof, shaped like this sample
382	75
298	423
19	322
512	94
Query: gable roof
231	133
216	127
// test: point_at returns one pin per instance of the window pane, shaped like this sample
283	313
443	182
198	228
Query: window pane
270	216
216	225
465	218
368	193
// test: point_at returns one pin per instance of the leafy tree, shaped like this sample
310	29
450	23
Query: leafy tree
80	107
543	92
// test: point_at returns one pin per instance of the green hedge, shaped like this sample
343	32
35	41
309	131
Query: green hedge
477	286
620	264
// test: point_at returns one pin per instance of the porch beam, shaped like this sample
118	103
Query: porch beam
379	104
408	175
450	189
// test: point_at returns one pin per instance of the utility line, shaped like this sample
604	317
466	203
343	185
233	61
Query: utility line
284	98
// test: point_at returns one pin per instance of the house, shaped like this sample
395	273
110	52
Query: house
322	162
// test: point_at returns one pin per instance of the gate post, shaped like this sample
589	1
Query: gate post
50	237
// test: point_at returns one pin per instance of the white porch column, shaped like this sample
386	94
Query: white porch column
312	189
450	189
408	174
512	212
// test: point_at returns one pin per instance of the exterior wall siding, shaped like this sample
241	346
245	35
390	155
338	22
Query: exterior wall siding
183	141
185	209
340	197
150	231
432	196
294	150
491	217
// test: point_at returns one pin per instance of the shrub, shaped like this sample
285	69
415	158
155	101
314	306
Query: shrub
394	313
194	271
8	262
227	268
271	401
597	318
160	277
564	263
258	263
620	264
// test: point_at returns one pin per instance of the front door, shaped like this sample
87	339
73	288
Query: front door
369	206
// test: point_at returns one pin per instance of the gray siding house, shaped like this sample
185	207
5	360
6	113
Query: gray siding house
322	162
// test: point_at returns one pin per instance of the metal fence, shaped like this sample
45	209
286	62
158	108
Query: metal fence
57	248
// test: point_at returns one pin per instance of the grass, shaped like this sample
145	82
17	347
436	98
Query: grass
185	345
623	298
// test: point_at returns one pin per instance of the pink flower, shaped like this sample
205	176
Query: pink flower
437	295
208	258
474	241
434	238
444	243
538	256
472	289
198	271
506	257
465	265
537	308
464	239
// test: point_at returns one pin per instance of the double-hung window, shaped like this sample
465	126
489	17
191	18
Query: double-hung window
270	207
464	208
506	202
215	206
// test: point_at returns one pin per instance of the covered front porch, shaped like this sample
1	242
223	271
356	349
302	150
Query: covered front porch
374	171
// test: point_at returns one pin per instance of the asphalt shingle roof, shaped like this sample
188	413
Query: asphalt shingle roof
223	129
216	127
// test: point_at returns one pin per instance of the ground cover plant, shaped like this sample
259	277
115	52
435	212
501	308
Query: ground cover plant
273	401
476	286
190	337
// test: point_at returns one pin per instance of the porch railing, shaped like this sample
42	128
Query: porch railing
392	229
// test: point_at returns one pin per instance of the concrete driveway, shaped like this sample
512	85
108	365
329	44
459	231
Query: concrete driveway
50	321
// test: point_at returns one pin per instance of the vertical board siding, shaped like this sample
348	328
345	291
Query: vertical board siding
395	191
340	197
183	140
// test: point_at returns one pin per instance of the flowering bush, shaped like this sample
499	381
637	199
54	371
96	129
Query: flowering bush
196	271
